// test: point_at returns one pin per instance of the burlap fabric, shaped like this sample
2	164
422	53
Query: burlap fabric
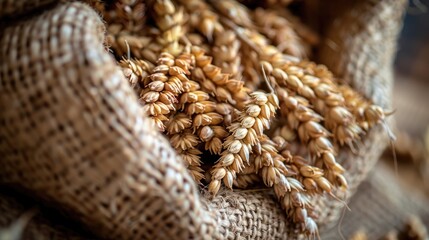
379	206
73	134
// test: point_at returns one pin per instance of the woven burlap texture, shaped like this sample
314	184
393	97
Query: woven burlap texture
73	133
379	206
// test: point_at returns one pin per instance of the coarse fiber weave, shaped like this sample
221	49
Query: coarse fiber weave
379	206
73	134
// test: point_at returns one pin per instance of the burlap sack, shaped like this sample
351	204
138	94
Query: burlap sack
380	205
73	134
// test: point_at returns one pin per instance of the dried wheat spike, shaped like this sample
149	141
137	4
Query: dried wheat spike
324	96
250	65
285	132
270	166
179	127
206	121
304	120
140	46
297	204
280	32
366	113
317	70
178	123
212	80
202	17
126	23
131	14
213	136
291	191
170	20
203	113
244	133
294	146
226	52
244	181
167	81
235	11
197	39
228	112
204	118
255	50
307	35
225	49
311	177
331	101
135	71
270	56
185	143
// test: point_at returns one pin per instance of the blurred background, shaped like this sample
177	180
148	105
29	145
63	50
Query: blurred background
411	97
398	201
412	71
